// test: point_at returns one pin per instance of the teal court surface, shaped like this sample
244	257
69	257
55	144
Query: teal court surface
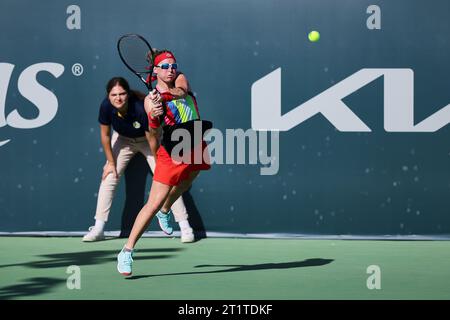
64	268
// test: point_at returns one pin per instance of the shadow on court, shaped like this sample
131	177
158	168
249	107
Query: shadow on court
63	260
30	287
40	285
315	262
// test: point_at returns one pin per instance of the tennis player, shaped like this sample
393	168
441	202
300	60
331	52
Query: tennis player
175	105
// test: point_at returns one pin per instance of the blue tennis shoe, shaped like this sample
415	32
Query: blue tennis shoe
125	262
164	222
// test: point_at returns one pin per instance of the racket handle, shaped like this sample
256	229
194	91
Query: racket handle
154	94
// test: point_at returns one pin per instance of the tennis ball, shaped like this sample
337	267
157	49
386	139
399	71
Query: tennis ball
314	36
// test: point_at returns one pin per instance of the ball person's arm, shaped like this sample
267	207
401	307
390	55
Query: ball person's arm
105	137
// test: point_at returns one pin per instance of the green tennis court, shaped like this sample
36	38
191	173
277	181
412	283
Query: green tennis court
224	268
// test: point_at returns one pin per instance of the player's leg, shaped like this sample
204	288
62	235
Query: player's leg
178	190
158	194
178	208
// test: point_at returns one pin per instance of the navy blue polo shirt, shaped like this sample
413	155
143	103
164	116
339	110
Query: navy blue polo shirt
133	125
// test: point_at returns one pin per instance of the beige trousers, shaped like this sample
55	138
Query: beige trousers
123	150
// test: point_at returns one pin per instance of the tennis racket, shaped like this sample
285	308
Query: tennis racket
136	53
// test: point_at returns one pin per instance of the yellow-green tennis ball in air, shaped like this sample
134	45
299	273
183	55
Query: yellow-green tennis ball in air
314	36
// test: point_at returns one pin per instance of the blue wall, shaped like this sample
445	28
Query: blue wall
329	182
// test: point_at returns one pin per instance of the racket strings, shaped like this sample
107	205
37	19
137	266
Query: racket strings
135	52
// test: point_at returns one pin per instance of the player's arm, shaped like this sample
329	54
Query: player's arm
153	106
153	138
154	111
105	137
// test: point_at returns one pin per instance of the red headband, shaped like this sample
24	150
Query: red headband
163	56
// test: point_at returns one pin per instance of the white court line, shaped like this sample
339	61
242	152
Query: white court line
160	234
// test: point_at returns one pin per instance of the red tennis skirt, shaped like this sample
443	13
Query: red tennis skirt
171	172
